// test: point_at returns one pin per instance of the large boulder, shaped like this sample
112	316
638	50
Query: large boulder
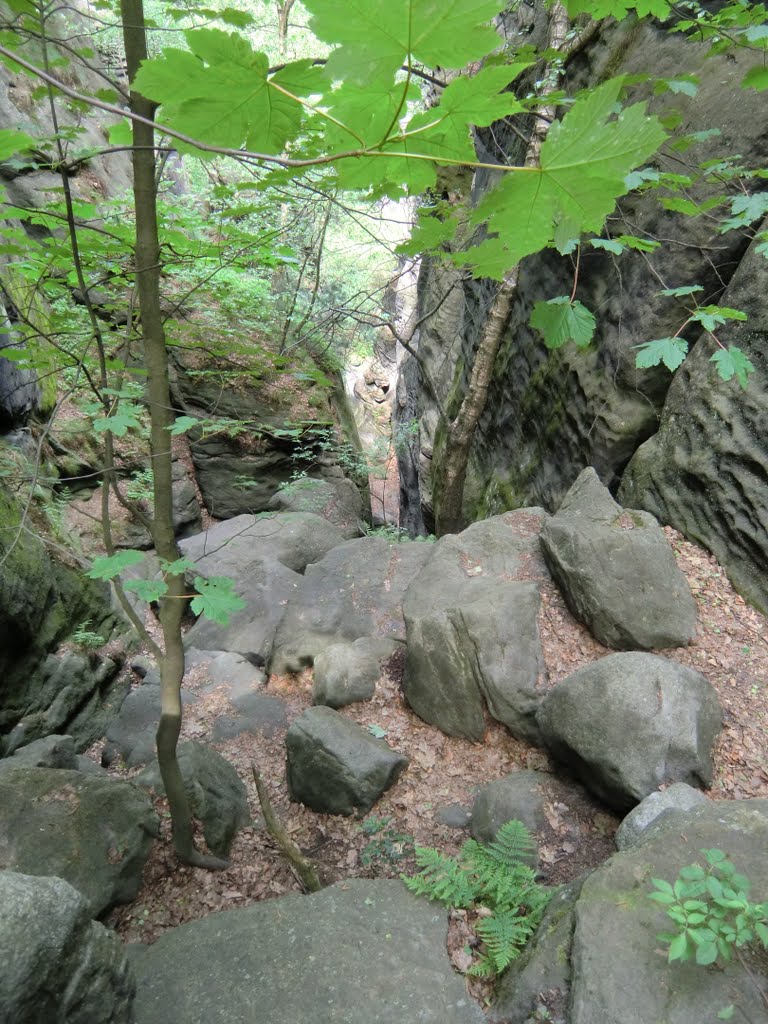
705	470
93	831
335	766
265	556
346	673
131	735
361	952
335	499
597	957
629	723
617	571
58	965
217	796
519	796
51	752
472	634
355	591
675	799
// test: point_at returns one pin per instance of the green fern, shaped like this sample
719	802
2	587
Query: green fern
504	934
494	876
442	878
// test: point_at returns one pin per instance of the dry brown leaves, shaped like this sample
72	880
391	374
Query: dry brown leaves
731	649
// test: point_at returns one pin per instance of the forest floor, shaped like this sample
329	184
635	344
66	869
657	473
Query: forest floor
730	649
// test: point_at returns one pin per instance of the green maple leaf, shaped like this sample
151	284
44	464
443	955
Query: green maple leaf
480	100
13	142
376	37
756	78
182	424
220	93
584	162
118	424
669	351
688	289
108	567
711	317
216	599
732	362
609	244
147	590
560	320
618	9
746	210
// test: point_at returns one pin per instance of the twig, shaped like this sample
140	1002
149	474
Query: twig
304	867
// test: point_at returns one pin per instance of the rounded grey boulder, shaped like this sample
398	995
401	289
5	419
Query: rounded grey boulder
58	966
631	722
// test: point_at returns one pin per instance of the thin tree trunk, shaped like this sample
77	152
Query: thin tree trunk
449	491
161	418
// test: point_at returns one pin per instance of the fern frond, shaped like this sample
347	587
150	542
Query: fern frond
484	968
442	878
504	935
513	844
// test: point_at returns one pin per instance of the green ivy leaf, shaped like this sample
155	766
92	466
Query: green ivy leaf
726	1013
176	568
669	351
559	320
711	317
618	9
641	244
480	100
732	362
745	210
216	599
109	567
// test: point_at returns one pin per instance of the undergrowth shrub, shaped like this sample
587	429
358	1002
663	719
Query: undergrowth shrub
495	878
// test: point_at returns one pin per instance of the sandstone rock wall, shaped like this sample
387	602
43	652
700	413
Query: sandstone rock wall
550	414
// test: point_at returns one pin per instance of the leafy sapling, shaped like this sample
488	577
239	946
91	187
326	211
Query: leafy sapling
711	911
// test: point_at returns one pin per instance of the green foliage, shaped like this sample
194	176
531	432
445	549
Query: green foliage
216	599
669	351
729	361
563	319
583	164
494	876
387	844
109	567
87	638
711	910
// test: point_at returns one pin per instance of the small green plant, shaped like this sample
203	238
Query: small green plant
711	911
493	877
87	638
140	487
387	845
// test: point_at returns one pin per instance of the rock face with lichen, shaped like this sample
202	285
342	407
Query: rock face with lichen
705	470
552	413
43	690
